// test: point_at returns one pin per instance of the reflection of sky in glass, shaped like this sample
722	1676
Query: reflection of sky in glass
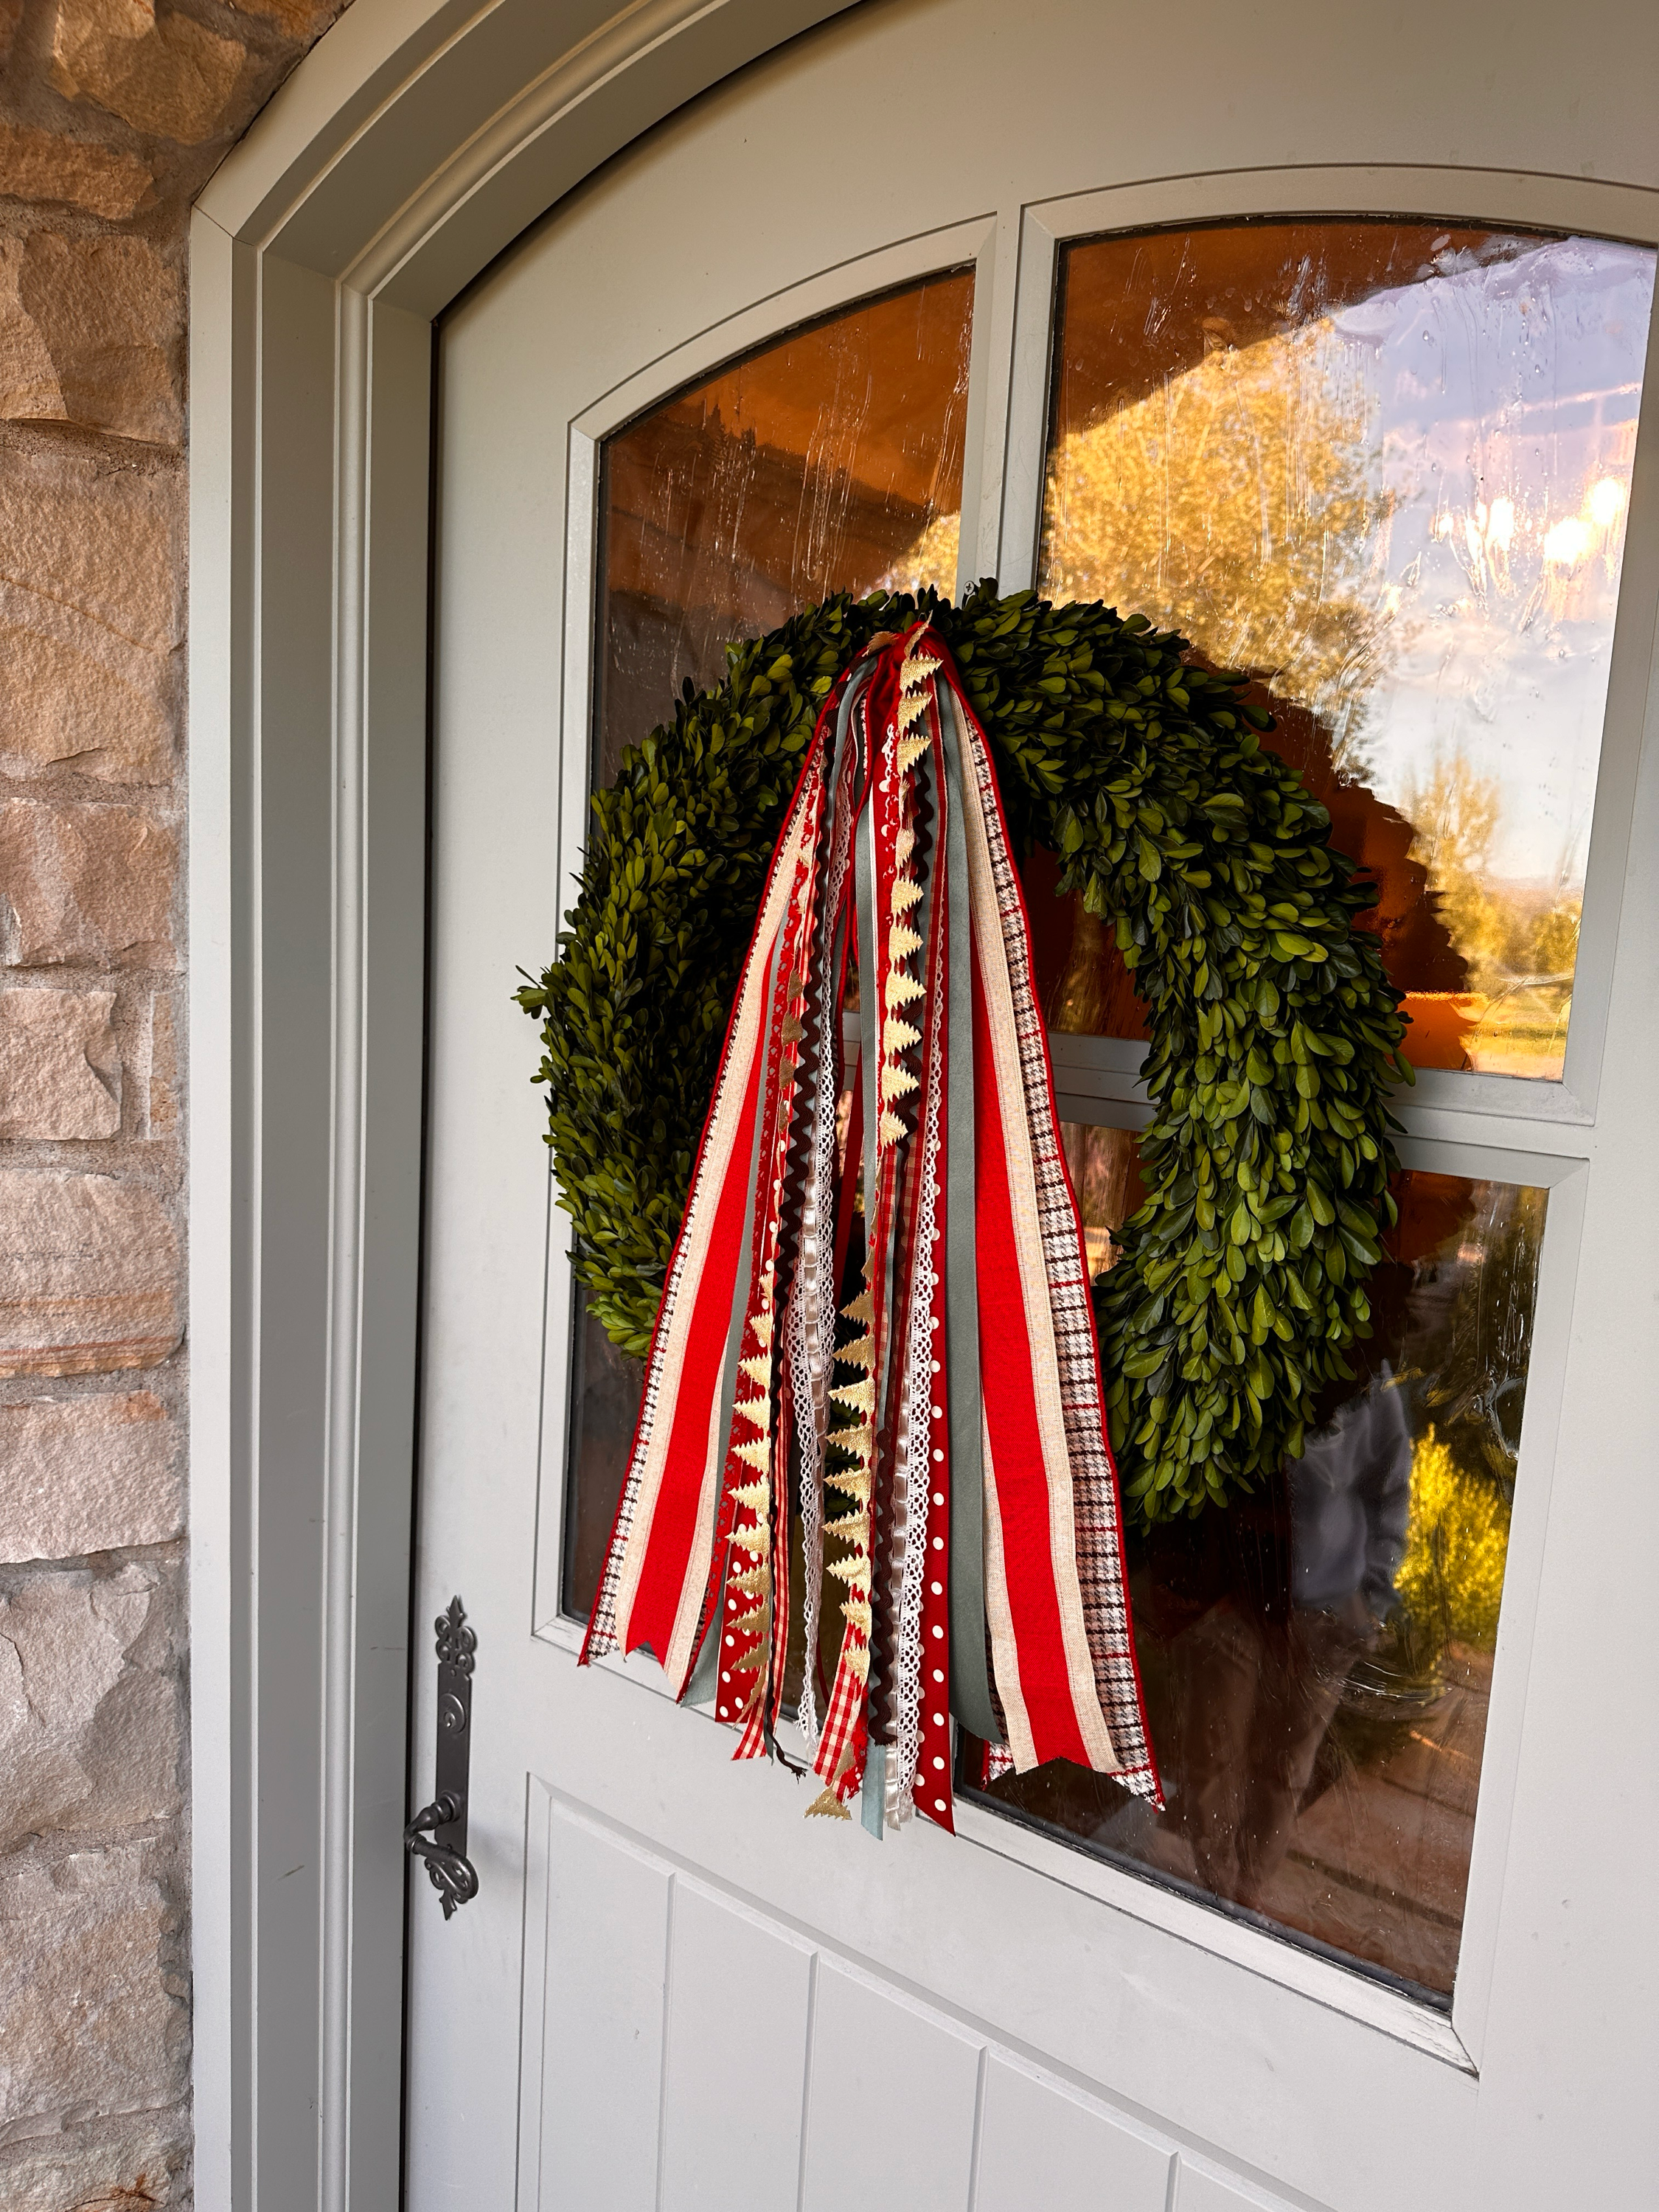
1506	398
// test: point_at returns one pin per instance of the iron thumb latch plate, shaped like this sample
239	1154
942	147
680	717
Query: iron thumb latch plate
437	1832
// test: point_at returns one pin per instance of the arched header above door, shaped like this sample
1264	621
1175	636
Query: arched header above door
420	139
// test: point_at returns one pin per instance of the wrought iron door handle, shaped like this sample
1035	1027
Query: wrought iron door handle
452	1875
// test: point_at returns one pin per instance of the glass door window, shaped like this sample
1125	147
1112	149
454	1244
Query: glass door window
1385	468
831	460
1318	1659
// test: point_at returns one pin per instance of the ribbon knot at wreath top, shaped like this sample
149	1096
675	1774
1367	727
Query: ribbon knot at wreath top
951	1458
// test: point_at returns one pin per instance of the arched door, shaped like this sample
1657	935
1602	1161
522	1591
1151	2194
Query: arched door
946	291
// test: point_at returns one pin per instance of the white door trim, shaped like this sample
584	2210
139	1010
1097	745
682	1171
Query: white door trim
413	145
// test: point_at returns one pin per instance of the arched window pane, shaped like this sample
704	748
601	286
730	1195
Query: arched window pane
829	461
1385	467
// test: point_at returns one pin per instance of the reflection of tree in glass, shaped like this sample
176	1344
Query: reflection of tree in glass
1554	942
1238	504
1451	1578
930	559
1503	931
1457	1332
1456	813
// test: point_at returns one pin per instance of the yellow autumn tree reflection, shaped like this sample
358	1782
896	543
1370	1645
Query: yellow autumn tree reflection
1386	470
1450	1581
1521	940
1239	504
1455	813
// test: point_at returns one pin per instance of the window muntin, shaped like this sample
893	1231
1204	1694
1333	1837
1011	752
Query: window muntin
1385	465
1317	1660
828	461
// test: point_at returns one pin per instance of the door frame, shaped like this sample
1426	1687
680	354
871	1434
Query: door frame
414	143
418	139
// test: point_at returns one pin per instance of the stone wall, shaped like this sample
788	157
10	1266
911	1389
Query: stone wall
113	113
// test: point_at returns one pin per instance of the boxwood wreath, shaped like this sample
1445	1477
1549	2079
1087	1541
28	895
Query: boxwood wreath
1276	1036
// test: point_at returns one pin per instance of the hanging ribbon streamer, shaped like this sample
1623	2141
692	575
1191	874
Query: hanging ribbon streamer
942	1438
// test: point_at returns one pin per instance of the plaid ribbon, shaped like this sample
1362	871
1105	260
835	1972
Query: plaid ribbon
946	1462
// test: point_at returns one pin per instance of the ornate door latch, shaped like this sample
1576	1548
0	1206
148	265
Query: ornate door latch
452	1874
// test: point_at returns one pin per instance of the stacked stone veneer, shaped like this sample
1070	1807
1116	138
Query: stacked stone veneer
112	113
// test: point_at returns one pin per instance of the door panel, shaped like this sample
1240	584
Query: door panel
892	2094
1039	2146
602	1980
740	1993
688	2049
671	1990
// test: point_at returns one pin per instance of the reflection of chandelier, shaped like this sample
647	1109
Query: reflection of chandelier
1509	548
1567	541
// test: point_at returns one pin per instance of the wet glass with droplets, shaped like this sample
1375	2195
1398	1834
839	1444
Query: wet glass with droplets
831	461
1317	1658
1384	467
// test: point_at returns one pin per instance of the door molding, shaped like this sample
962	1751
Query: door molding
414	143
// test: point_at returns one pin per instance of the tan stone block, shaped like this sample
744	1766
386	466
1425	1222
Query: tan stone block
101	537
130	2174
90	1730
167	75
86	2021
89	616
60	1068
88	883
91	333
62	706
88	1275
79	1475
163	1118
44	165
29	380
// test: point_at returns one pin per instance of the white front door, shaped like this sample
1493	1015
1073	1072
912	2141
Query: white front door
949	291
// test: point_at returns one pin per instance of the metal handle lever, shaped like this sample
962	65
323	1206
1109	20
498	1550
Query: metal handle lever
452	1875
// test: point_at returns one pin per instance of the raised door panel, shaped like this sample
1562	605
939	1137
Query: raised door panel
685	2051
891	2105
1041	2144
601	1980
740	2014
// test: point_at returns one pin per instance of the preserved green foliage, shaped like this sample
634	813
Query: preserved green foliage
1240	1283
